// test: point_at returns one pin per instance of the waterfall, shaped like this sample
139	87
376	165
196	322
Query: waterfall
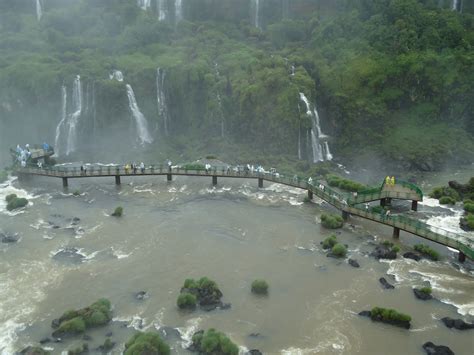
221	113
319	144
144	4
293	70
117	75
94	111
299	142
63	119
256	9
178	7
454	7
73	119
161	8
161	99
39	10
140	120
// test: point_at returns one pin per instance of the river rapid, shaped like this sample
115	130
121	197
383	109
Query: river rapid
232	233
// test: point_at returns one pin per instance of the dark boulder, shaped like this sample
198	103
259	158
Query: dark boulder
385	284
384	252
411	255
422	295
109	334
432	349
69	255
365	314
461	188
9	238
458	324
353	263
45	340
254	352
141	295
464	225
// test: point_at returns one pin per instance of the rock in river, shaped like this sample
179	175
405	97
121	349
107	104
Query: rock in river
432	349
458	324
385	283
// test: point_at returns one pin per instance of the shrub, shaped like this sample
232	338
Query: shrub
446	200
396	249
10	197
146	343
16	202
193	167
72	326
440	192
332	221
344	184
108	344
186	300
469	207
214	342
339	250
76	193
389	315
427	251
204	290
118	212
84	349
191	284
426	290
329	242
260	287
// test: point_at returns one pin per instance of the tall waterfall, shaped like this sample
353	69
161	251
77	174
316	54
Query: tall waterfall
319	144
256	11
140	120
161	99
73	118
178	8
39	9
161	8
62	121
144	4
454	6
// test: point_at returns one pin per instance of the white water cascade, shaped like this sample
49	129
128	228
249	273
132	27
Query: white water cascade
319	144
161	99
256	11
144	4
73	119
39	9
62	121
140	120
178	8
454	6
117	75
161	9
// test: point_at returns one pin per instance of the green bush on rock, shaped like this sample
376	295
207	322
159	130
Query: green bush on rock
260	287
344	184
339	250
426	290
118	212
10	197
446	200
427	251
204	290
329	242
14	202
390	316
187	300
213	342
331	221
146	343
469	207
444	191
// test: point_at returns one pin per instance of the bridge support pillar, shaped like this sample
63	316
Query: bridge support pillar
65	182
345	215
387	201
260	182
310	194
396	232
214	180
117	179
461	257
169	177
414	205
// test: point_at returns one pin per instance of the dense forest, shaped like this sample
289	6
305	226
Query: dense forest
390	78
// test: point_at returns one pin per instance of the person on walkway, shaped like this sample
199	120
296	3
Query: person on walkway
142	167
392	180
82	169
134	167
387	180
127	168
366	207
40	164
310	181
387	214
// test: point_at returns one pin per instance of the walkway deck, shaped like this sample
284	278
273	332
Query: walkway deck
347	203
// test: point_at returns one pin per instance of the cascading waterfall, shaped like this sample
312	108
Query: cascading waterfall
299	142
144	4
117	75
256	9
454	6
39	10
161	99
73	119
319	144
218	98
161	8
62	121
140	120
178	8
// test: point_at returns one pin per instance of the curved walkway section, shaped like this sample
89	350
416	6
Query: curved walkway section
345	202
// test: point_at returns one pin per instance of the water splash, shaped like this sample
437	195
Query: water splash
63	119
319	145
161	99
178	7
116	75
73	119
140	120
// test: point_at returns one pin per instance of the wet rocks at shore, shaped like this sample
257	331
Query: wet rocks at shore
458	324
385	284
412	255
432	349
9	238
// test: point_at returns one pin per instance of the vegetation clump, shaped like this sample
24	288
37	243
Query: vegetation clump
469	207
260	287
146	343
329	242
203	292
194	167
84	349
344	184
339	250
427	251
213	342
331	221
14	202
427	290
447	200
76	193
34	350
75	322
118	212
390	316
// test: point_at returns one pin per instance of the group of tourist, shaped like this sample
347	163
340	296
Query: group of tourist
133	167
23	154
390	181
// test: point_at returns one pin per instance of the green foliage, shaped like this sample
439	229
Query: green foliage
146	343
389	315
15	202
331	221
396	249
470	221
84	349
3	176
260	287
446	200
214	342
344	184
108	344
76	193
469	207
186	300
426	290
35	350
339	250
329	242
72	326
118	212
440	192
427	251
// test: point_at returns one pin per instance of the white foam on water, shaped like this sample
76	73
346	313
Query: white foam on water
119	254
187	332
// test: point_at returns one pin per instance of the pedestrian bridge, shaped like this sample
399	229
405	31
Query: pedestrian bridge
348	203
